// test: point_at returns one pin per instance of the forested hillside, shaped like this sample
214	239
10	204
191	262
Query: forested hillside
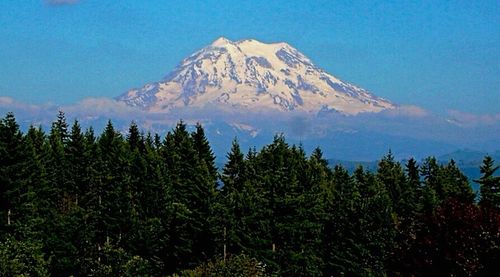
78	203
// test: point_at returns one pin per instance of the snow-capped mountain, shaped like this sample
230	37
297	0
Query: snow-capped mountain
253	75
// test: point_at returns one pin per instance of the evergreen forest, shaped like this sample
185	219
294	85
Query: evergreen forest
77	203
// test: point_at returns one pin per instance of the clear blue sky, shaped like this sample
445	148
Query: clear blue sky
436	54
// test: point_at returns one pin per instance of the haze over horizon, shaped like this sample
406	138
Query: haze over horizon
438	56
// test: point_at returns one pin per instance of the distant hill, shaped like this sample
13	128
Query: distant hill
467	160
467	157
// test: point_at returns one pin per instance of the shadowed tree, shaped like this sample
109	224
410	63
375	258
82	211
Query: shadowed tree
193	192
231	201
489	184
12	158
455	183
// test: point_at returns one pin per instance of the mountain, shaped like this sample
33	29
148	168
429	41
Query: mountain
252	90
252	75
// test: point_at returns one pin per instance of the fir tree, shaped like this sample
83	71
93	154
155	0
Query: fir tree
414	185
205	153
231	200
12	162
60	128
114	197
193	187
77	162
489	184
391	174
362	225
135	139
455	183
432	191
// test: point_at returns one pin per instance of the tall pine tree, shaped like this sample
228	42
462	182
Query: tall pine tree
489	184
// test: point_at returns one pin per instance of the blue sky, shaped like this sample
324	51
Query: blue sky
440	55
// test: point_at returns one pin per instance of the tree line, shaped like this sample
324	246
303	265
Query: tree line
73	203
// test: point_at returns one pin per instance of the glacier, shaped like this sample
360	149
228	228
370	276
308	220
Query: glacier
254	76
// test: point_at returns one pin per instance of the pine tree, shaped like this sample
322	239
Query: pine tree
232	210
413	183
432	191
138	169
92	181
62	217
376	222
58	167
305	241
12	161
60	127
490	184
114	202
77	162
233	173
205	153
391	174
361	226
36	182
207	168
334	199
135	139
408	224
150	239
455	183
286	201
93	230
278	188
251	204
193	190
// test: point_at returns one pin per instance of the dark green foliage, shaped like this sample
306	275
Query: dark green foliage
202	147
239	265
413	192
192	192
232	208
22	258
78	204
361	224
13	156
135	139
60	127
455	184
490	184
391	174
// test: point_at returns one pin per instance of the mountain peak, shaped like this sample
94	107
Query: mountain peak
249	74
224	42
221	41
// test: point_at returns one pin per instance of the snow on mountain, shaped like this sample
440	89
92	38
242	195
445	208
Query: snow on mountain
249	74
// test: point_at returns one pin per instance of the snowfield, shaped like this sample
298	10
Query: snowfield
249	74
